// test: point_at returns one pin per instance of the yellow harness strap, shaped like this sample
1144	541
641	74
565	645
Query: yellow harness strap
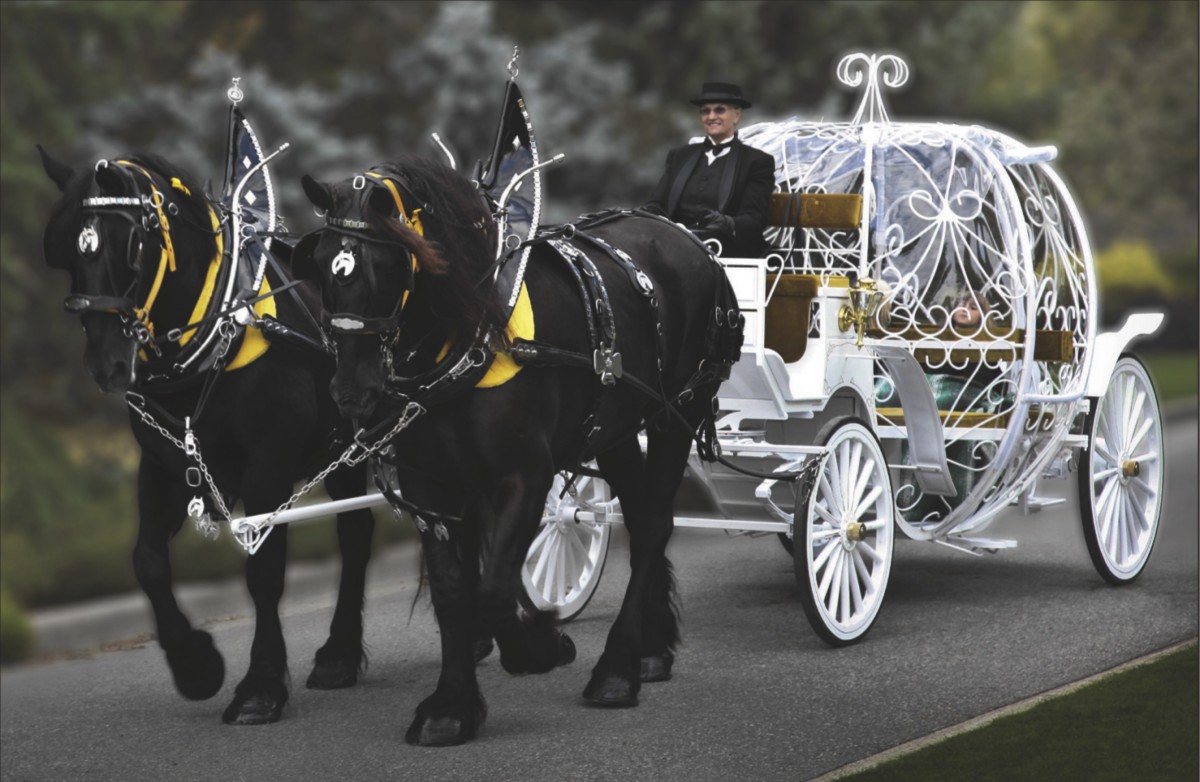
166	259
413	221
520	324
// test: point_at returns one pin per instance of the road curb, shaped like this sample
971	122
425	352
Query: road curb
82	629
983	720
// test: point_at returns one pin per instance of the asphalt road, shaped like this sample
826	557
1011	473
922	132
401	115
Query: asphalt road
755	695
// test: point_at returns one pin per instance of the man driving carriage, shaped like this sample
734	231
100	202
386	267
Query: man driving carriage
718	188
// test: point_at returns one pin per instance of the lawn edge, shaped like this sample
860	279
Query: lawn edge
983	720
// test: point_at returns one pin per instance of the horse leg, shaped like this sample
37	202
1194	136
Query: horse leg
456	709
196	666
470	549
643	637
339	661
261	694
533	644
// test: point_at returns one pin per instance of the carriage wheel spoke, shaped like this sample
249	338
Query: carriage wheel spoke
1111	516
824	533
856	594
1140	435
579	553
846	607
1120	524
860	565
852	475
862	481
867	502
827	576
824	556
1146	489
825	514
574	563
551	562
1138	523
1100	446
562	573
543	544
1134	406
831	487
1112	439
866	548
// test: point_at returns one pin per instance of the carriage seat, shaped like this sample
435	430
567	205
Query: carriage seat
788	314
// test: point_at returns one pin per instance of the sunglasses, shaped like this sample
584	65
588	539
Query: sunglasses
718	110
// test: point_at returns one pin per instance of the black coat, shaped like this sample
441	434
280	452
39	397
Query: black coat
744	193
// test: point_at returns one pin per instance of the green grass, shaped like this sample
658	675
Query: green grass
1140	724
1174	373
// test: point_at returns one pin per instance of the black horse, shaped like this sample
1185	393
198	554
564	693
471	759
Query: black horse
141	241
406	263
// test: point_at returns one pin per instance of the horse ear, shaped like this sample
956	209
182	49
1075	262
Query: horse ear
317	192
60	173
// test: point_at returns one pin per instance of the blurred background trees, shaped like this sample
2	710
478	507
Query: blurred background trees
1113	85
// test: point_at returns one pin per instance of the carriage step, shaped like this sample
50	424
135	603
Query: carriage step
976	546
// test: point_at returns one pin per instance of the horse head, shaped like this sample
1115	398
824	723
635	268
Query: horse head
119	230
381	262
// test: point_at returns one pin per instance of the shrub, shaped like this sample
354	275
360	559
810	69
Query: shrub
16	634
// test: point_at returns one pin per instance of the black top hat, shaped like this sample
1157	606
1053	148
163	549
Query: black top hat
720	92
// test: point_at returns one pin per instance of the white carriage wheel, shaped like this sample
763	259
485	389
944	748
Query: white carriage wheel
1121	474
566	558
843	549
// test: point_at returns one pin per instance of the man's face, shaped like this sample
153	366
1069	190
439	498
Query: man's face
719	120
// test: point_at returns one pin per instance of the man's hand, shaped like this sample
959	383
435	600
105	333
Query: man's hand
715	222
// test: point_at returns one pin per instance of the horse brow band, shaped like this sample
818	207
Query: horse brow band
111	201
354	225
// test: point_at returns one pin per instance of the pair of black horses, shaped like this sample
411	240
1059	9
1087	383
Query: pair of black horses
480	460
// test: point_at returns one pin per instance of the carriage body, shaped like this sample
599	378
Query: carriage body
986	281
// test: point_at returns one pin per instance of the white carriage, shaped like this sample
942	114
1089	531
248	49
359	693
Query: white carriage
925	328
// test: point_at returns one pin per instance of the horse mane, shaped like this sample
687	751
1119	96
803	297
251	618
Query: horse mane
458	245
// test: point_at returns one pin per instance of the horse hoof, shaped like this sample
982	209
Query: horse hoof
483	647
333	675
566	650
657	668
438	732
611	691
253	710
197	667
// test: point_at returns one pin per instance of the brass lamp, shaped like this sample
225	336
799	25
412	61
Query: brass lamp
864	303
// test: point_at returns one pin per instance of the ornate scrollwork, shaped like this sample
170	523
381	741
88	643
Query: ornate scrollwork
875	69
